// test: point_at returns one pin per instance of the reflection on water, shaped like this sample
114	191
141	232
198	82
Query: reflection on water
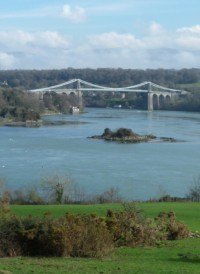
138	170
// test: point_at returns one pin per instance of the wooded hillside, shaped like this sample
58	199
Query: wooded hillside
105	76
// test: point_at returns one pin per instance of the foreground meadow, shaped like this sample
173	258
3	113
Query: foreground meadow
163	259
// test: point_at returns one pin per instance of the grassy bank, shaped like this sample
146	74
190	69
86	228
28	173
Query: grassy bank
123	260
163	259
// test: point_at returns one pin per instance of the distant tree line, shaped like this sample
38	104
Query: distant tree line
29	79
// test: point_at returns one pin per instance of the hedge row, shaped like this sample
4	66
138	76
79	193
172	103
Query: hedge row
84	235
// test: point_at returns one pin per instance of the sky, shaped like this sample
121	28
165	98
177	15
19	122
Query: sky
137	34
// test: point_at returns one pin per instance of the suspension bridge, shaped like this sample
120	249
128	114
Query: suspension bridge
157	94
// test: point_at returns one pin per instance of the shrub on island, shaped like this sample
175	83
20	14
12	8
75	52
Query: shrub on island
123	135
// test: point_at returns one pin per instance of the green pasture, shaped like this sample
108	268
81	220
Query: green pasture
164	259
187	212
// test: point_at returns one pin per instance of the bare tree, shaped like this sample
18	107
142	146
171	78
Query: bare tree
58	188
194	190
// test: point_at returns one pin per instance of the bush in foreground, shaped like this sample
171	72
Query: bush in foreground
9	225
84	235
76	236
173	229
131	228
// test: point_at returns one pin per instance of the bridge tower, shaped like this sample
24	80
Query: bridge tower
80	98
150	97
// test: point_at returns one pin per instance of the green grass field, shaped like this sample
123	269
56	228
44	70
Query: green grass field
189	213
164	259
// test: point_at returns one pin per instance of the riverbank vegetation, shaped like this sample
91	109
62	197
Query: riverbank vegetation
187	79
58	189
17	106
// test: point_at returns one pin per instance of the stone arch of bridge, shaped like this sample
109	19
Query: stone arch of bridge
161	101
168	98
155	99
158	100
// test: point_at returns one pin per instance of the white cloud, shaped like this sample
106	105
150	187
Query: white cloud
156	29
114	40
50	39
189	43
158	48
189	38
51	49
31	49
15	38
6	61
21	40
74	15
185	59
194	29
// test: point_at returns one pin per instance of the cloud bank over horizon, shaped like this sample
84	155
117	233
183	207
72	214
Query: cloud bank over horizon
152	46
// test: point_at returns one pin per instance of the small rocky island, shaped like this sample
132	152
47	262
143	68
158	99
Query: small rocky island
125	135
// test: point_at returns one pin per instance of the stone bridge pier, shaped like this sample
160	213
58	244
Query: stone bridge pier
157	100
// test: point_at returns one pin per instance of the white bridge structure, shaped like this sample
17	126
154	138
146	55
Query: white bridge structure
157	95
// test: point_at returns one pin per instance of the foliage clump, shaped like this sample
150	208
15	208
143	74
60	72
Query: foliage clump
119	133
19	105
76	236
173	229
85	235
131	228
9	225
123	135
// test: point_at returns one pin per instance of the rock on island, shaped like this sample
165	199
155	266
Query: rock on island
123	135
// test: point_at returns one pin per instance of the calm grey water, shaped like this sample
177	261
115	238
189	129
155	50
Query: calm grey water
140	171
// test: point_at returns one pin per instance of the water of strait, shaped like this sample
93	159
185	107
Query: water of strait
139	171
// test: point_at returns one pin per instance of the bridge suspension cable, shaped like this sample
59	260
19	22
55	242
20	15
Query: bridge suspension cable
94	87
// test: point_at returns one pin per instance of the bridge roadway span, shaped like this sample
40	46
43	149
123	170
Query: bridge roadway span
157	94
